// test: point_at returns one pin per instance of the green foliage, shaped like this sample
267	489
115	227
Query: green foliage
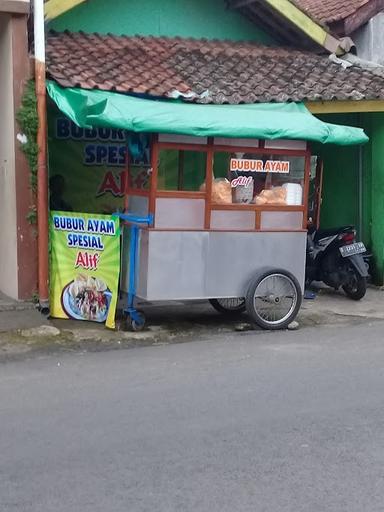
28	121
35	297
32	215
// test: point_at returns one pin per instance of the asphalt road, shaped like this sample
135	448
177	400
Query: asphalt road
250	422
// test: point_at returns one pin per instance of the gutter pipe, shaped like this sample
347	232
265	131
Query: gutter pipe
42	175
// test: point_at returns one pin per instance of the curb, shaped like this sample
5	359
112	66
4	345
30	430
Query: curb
18	344
18	306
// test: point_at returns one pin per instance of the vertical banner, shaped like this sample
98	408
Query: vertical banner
85	266
87	167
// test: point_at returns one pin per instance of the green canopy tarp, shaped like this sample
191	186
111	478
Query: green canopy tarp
97	108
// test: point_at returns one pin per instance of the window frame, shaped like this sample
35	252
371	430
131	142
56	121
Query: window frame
210	149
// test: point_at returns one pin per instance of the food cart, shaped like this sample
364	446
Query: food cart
235	235
222	214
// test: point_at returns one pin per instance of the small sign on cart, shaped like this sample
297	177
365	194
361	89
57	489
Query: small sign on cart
248	165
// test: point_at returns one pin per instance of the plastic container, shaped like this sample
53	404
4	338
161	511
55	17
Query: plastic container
243	194
294	194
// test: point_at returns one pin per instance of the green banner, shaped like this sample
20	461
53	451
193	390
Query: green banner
85	266
87	167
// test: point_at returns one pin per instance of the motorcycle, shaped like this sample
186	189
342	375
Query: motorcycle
335	258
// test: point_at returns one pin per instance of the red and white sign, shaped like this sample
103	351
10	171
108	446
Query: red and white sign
246	165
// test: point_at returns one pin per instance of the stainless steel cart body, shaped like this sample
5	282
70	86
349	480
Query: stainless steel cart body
180	265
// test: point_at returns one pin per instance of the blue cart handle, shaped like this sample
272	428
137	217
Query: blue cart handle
135	219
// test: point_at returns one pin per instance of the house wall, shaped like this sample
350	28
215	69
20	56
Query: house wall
347	199
341	178
366	123
377	196
200	18
341	185
18	258
26	233
369	39
8	227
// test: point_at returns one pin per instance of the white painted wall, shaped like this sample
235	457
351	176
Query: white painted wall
8	229
369	40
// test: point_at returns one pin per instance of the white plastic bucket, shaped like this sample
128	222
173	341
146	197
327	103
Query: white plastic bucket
294	194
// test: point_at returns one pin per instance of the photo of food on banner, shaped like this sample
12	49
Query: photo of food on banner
259	180
86	298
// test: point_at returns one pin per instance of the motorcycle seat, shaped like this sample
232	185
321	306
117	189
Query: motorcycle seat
324	233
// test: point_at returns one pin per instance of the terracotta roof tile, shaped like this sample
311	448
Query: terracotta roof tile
329	11
207	71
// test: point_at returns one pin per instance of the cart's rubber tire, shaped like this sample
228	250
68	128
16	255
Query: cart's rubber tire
357	289
225	308
265	280
136	325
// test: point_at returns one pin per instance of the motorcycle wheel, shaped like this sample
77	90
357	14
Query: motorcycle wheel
356	288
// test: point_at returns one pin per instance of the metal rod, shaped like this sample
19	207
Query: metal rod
180	174
307	177
132	267
361	234
361	187
318	192
154	175
208	184
42	176
127	175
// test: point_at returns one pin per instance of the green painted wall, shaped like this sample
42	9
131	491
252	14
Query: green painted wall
367	179
340	185
377	142
185	18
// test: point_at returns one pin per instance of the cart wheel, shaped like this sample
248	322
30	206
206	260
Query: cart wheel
229	307
136	324
273	299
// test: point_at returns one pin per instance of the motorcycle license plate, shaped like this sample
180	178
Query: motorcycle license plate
350	250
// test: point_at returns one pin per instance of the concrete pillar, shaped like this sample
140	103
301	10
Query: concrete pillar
17	239
8	229
26	233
